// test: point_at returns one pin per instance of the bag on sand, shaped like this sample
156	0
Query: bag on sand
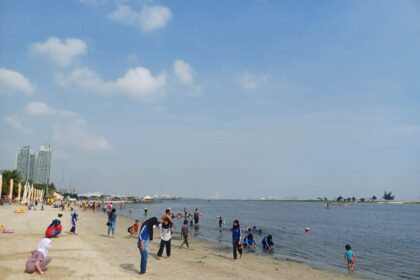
129	229
108	224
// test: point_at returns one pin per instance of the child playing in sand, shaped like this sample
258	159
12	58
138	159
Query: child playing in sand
350	257
39	259
184	233
165	237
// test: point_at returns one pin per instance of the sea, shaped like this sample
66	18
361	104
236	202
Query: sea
384	237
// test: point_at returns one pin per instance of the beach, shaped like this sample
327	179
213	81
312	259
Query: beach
91	254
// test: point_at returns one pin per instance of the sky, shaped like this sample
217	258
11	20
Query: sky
215	99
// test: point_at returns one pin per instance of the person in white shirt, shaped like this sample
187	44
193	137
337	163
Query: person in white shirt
165	237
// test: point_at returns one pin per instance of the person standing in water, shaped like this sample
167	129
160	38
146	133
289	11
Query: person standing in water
112	220
220	223
196	216
236	239
145	211
39	259
73	221
145	234
350	257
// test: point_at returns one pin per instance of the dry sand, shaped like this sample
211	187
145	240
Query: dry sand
92	255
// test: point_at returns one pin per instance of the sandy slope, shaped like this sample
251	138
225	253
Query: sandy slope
92	255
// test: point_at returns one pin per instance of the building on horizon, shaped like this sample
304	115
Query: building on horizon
34	167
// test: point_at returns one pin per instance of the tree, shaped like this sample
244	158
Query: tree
361	199
388	196
374	198
348	199
353	199
340	198
7	175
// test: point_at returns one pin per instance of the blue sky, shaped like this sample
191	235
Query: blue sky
233	99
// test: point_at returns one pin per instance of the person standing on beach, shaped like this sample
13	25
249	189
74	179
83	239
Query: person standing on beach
165	238
196	216
73	221
39	259
145	234
236	239
112	219
184	233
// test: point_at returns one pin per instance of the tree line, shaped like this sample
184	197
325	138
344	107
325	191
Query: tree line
15	175
386	196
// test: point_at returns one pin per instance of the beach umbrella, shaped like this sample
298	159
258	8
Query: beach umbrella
19	190
11	189
1	184
28	198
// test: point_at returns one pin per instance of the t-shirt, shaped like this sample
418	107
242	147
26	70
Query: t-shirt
165	233
135	228
349	255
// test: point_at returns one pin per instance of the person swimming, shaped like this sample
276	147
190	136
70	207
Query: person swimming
267	243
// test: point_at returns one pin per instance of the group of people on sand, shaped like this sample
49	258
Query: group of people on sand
39	258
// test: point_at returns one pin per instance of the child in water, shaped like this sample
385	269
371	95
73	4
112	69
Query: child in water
350	257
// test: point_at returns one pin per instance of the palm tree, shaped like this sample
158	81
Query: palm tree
388	196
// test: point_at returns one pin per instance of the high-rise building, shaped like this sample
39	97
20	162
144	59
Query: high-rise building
34	167
43	165
23	162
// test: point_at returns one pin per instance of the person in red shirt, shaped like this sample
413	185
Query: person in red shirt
54	229
134	229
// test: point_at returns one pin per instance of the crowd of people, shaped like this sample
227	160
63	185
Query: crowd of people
241	237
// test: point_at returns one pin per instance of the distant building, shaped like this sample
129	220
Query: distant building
43	165
34	167
23	163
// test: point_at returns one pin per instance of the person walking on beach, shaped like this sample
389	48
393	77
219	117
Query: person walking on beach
73	221
184	233
39	259
145	234
350	258
196	216
112	219
236	239
165	237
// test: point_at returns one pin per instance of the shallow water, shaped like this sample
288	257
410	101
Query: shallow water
385	238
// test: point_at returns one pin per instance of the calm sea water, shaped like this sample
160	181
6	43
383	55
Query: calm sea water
385	238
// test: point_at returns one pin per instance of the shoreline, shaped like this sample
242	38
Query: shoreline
93	255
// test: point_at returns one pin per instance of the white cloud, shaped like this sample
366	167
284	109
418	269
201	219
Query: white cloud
149	18
75	134
15	123
12	81
137	82
93	2
183	72
39	108
63	52
250	81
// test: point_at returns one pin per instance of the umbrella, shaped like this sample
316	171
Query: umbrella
25	193
1	184
11	189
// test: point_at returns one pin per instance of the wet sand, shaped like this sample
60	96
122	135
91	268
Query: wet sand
91	254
